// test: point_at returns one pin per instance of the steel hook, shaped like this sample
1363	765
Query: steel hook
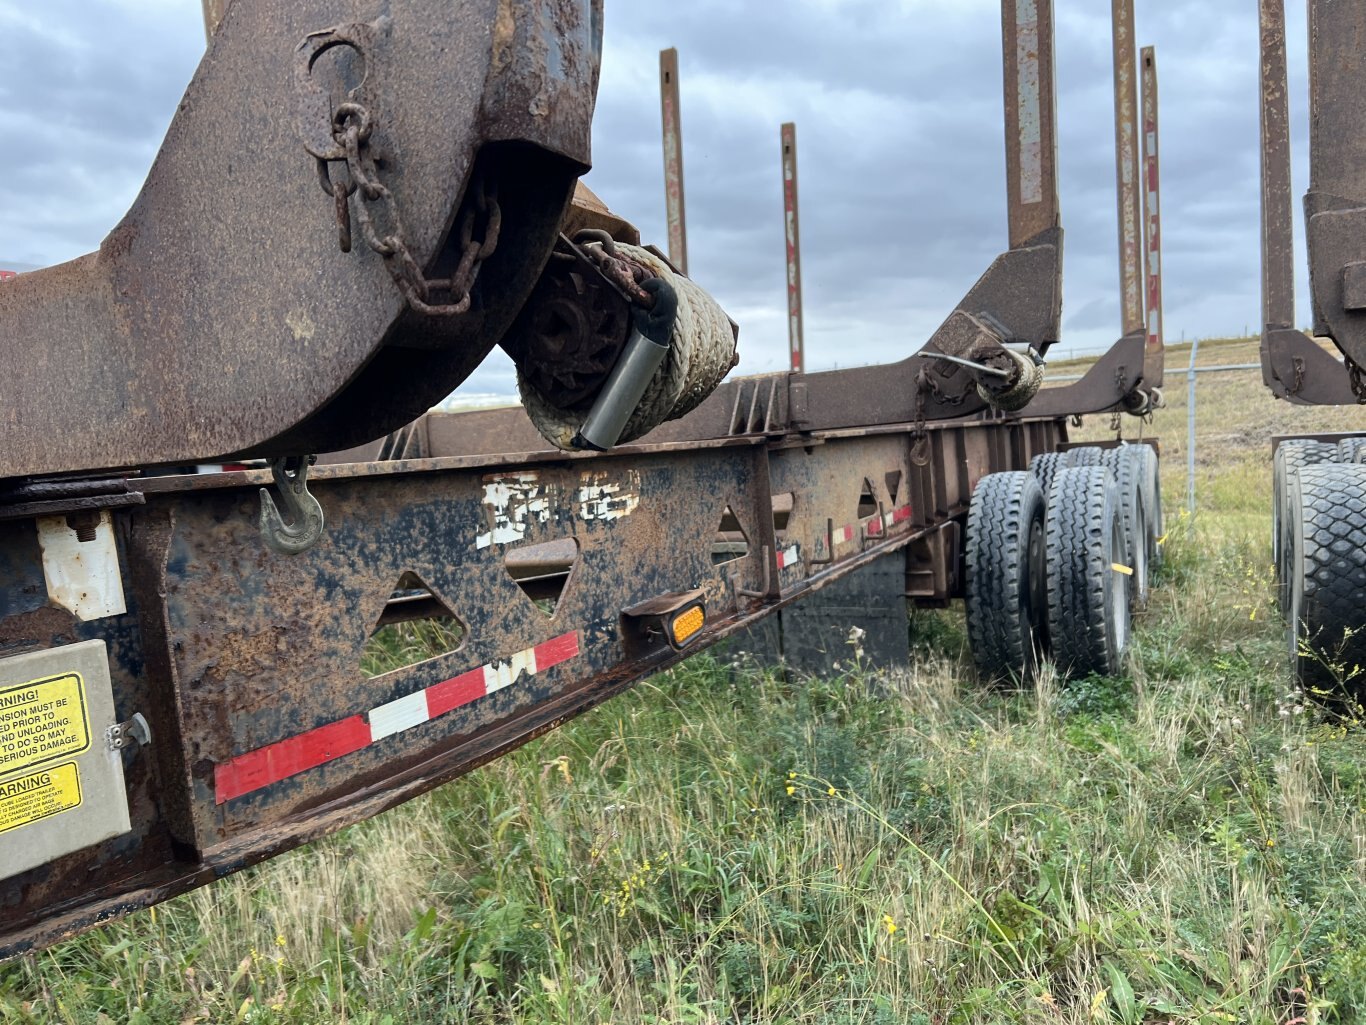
291	478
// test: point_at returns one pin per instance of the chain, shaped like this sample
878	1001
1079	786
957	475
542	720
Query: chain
381	223
1356	378
920	438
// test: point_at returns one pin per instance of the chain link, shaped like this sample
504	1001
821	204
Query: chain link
381	222
1356	379
1298	362
925	383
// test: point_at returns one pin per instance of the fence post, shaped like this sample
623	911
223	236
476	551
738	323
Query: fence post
1190	430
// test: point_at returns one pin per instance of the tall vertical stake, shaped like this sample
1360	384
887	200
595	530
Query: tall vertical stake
1278	217
213	14
675	210
1152	221
794	248
1031	116
1127	171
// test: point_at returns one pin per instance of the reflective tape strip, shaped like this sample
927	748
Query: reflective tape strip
789	556
266	765
890	520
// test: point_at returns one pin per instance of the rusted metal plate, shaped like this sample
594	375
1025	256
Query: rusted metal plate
220	315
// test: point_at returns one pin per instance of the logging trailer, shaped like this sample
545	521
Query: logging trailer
314	261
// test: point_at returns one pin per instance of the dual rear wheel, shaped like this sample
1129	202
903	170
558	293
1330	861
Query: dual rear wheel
1057	557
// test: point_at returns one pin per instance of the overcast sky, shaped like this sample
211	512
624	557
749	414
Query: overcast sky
898	112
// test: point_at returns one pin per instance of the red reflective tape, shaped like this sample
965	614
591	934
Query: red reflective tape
451	694
293	755
285	758
555	651
894	517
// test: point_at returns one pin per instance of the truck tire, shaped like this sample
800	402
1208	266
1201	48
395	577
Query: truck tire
1006	577
1326	627
1290	456
1044	466
1088	600
1152	500
1087	455
1352	450
1129	469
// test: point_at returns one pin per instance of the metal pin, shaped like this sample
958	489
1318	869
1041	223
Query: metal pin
980	368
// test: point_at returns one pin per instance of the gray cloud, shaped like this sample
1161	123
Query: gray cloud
897	106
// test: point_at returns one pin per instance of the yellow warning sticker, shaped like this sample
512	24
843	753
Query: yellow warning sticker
39	795
41	722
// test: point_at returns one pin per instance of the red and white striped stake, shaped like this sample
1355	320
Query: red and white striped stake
794	255
1152	225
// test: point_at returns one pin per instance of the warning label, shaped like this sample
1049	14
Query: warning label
39	795
42	721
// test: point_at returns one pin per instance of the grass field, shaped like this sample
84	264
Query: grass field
1186	844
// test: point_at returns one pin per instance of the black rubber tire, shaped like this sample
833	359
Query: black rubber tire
1127	465
1352	450
1044	466
1086	455
1006	577
1088	600
1152	500
1290	456
1326	621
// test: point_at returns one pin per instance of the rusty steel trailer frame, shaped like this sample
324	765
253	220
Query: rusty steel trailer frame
244	663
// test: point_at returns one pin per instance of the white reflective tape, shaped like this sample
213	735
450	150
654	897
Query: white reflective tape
498	675
397	716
